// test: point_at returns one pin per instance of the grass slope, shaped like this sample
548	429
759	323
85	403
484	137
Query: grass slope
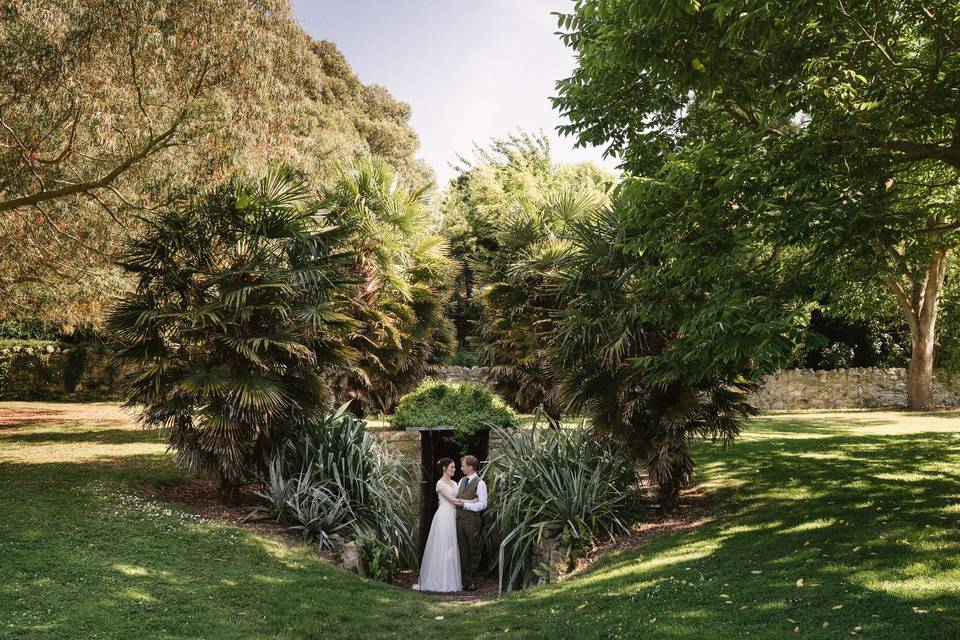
833	522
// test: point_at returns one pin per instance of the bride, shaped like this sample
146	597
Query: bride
440	569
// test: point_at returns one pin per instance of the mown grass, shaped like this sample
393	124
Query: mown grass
827	523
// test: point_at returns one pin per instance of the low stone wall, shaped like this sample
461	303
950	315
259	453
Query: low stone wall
54	372
465	374
848	389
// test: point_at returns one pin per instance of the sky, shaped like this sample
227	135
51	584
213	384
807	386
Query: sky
470	69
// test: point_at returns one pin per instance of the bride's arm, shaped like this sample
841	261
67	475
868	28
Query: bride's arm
443	494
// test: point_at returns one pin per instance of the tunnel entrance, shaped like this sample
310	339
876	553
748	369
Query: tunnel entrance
435	444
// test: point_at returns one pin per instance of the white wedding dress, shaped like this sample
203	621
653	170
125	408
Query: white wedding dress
440	569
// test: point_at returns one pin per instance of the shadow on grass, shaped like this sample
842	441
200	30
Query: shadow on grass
79	435
852	530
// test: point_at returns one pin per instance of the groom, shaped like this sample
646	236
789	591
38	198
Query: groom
471	500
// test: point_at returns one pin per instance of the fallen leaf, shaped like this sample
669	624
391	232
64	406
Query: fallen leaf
724	596
857	548
652	620
581	606
825	624
837	606
791	621
799	583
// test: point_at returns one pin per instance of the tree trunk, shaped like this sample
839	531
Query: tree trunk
668	496
920	371
920	307
228	491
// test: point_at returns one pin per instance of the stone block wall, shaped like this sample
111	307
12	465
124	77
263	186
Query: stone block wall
848	389
55	372
465	374
405	447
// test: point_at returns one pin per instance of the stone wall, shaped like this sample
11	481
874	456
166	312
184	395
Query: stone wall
465	374
847	389
68	373
55	372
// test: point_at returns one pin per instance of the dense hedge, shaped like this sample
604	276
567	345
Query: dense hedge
467	407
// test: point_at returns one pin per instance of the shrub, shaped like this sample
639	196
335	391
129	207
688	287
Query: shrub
336	481
379	561
556	484
467	407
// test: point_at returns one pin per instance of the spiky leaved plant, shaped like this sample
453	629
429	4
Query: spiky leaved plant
561	484
235	315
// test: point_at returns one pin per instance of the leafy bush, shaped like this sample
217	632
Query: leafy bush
550	483
379	561
467	407
336	481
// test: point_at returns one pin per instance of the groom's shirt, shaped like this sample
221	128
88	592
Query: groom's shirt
481	502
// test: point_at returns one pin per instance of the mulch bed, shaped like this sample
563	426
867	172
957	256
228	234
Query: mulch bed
200	497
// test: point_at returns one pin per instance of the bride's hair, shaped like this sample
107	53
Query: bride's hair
442	464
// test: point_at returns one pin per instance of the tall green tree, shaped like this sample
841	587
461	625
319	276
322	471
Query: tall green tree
481	198
109	110
848	112
404	274
517	301
235	323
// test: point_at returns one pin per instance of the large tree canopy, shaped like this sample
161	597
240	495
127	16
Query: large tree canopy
111	109
506	175
845	115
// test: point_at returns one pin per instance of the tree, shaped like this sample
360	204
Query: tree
517	302
480	199
109	110
404	275
849	111
235	323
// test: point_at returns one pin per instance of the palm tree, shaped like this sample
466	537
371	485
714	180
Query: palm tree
612	344
518	303
405	277
234	320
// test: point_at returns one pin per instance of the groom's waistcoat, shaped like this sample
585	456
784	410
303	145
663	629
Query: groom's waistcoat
465	492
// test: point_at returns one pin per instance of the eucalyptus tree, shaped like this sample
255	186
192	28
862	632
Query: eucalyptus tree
847	112
113	108
404	274
235	323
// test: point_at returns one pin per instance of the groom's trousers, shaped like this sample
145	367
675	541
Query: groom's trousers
468	540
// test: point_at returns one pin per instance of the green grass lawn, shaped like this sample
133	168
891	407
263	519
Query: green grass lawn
826	522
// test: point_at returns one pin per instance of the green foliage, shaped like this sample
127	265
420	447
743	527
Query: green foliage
467	407
404	274
380	561
234	320
556	484
836	123
463	358
509	173
115	108
337	482
517	300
